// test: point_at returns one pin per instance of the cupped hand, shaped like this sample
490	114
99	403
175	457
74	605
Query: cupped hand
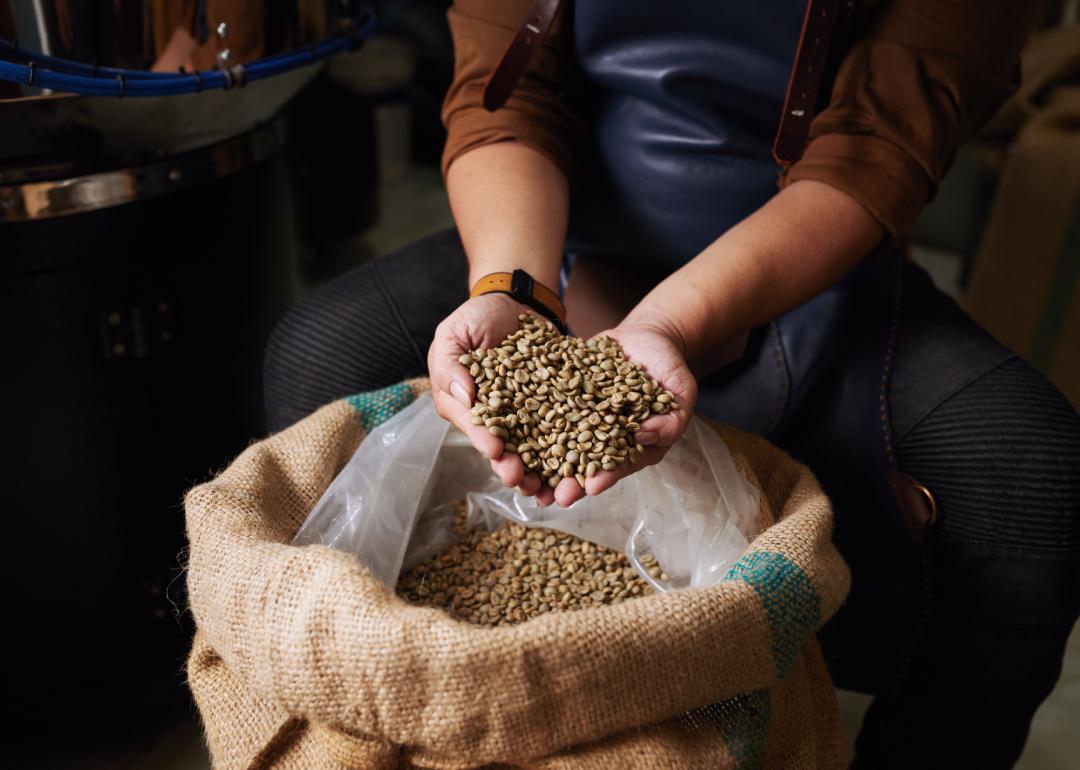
480	322
659	351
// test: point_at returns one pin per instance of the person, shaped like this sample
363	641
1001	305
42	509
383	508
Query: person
632	168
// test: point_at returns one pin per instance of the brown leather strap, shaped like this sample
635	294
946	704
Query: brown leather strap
528	38
504	283
806	75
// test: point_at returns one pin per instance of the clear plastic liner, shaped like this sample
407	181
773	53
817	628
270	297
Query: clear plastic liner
391	505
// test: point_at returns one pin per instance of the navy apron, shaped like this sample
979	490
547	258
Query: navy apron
684	99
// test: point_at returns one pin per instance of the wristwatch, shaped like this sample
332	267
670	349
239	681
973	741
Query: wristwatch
526	290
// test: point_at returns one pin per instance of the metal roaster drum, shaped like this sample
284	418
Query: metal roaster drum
147	246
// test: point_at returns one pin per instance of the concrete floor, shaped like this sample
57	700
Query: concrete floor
413	207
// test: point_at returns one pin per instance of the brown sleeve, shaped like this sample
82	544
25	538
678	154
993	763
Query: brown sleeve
539	112
918	81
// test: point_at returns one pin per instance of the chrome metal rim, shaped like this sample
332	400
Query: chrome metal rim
92	192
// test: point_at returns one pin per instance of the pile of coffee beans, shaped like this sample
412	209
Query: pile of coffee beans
568	407
516	573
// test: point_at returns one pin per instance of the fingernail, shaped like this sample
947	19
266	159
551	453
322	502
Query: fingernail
646	437
458	392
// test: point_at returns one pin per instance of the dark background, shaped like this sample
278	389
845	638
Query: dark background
132	340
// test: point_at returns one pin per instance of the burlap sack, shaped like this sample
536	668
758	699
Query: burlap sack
303	659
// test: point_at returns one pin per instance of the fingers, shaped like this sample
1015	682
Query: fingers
530	485
507	466
662	429
605	480
448	375
478	322
568	492
509	469
449	408
546	496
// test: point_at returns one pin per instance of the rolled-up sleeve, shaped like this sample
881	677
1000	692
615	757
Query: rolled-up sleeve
918	80
540	112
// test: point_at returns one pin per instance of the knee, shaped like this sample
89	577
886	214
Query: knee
1002	457
364	330
293	367
310	341
282	354
343	339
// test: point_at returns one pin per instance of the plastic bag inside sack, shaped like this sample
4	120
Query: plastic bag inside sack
391	505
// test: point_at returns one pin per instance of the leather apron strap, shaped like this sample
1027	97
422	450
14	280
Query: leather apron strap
517	57
804	84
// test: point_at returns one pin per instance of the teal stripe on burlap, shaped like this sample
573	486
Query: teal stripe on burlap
743	723
1063	291
378	406
792	608
790	600
745	726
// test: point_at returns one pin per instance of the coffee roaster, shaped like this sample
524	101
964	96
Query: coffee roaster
148	242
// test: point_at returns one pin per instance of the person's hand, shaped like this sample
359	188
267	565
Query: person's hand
659	351
481	322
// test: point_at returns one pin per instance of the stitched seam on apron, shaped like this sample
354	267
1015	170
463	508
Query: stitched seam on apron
785	376
886	427
886	372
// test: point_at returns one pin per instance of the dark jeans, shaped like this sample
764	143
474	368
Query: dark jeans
998	445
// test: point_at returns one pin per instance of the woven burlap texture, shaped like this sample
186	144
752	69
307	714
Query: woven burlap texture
303	659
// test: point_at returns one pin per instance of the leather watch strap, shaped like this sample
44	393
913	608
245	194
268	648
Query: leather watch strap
805	82
528	38
520	285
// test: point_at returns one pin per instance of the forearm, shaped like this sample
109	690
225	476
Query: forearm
797	245
511	204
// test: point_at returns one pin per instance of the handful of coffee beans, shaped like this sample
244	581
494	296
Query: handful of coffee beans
568	407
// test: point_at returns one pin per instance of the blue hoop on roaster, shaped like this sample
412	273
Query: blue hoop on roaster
68	76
